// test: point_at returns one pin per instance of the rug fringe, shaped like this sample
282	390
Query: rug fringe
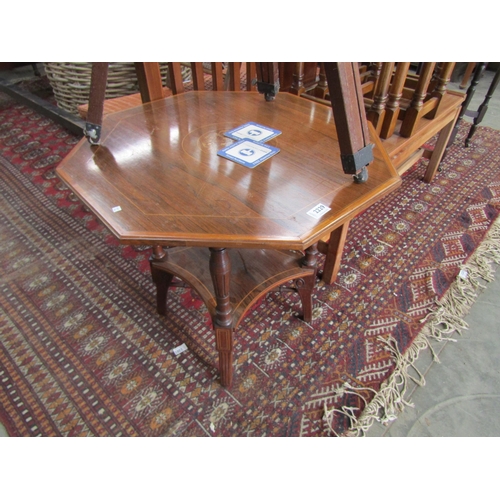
441	323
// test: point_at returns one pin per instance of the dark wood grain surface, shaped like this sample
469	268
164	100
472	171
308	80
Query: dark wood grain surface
158	163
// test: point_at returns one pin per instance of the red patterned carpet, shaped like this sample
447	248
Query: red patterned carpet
83	352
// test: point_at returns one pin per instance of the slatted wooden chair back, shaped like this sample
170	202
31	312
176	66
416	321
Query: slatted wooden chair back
204	76
393	92
406	107
351	124
368	75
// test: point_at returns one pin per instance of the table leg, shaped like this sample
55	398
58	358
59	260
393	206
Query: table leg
220	270
311	257
333	251
161	279
305	288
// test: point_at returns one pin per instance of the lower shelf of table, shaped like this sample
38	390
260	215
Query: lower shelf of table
253	273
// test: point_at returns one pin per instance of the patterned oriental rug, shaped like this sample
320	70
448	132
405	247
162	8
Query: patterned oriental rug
83	352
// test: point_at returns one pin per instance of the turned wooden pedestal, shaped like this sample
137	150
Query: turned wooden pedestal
229	282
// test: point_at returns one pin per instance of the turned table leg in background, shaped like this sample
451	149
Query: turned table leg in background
220	270
310	259
333	251
305	288
161	279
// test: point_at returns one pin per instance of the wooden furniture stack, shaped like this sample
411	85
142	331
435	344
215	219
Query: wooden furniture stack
407	108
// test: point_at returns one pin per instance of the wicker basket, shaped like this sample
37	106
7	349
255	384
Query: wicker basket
70	81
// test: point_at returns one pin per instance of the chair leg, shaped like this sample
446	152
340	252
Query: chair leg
481	111
467	75
439	149
333	251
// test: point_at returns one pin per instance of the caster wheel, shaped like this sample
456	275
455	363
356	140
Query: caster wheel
361	176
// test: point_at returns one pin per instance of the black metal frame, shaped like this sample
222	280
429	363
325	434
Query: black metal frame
60	116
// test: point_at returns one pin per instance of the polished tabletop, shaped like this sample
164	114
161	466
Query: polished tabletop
156	176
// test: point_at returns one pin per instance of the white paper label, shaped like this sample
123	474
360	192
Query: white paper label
463	274
116	209
318	211
181	348
253	132
249	152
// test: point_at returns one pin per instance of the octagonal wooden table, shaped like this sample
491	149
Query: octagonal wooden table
236	232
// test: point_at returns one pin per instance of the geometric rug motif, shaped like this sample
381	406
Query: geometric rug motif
83	352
